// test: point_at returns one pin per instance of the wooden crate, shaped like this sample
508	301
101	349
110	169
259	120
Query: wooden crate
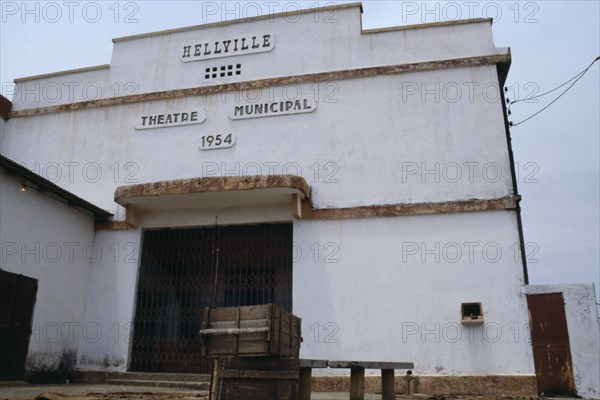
250	331
235	384
259	388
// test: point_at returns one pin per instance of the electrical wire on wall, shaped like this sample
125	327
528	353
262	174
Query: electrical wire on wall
573	81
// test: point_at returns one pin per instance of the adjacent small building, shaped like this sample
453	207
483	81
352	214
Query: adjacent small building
361	179
46	233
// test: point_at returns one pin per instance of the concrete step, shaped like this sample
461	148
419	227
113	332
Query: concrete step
157	383
156	376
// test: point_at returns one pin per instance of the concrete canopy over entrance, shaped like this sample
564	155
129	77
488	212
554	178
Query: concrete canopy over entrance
275	193
202	192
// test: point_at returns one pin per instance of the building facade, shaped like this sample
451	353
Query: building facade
362	179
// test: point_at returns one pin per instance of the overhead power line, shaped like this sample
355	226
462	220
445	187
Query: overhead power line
573	80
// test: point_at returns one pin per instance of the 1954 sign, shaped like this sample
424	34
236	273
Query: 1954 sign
220	141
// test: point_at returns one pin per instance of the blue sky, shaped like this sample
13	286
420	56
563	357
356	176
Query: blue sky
557	152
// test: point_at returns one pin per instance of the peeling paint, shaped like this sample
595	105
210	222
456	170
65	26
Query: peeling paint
213	184
507	203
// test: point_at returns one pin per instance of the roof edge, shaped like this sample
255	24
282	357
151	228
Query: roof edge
70	199
334	7
427	25
60	73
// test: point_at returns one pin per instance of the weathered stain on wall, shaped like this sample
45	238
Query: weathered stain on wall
49	367
107	362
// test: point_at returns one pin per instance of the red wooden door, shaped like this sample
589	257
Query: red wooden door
550	341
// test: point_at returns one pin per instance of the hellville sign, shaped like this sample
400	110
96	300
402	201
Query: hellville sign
241	45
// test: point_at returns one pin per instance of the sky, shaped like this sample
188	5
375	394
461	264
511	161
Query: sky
556	152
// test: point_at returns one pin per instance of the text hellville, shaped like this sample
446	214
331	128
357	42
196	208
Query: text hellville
230	47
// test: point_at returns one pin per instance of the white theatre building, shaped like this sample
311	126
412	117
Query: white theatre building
362	179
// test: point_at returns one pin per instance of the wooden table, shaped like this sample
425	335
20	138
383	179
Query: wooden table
357	376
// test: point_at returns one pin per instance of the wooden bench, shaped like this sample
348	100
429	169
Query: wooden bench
357	376
304	384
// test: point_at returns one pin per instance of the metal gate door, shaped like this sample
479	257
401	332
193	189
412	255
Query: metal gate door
550	341
17	300
184	270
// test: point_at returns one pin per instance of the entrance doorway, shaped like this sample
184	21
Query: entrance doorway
551	348
184	270
17	300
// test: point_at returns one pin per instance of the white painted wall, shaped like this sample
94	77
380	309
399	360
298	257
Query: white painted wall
47	240
151	64
380	147
376	289
379	299
584	333
109	304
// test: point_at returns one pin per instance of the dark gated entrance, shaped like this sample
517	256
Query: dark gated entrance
184	270
550	341
17	300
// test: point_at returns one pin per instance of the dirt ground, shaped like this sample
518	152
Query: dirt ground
76	391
